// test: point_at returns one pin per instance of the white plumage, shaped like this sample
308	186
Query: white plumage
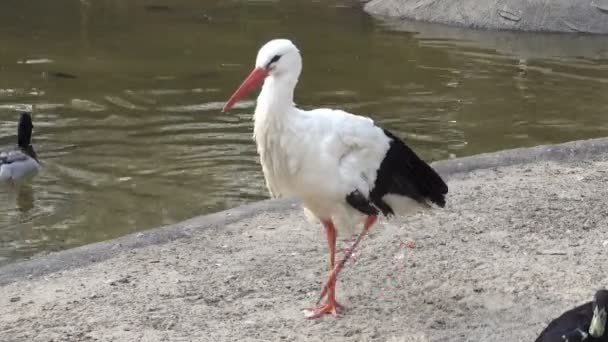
16	165
20	163
342	166
319	156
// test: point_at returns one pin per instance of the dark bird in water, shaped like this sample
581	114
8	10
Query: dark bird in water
584	323
21	162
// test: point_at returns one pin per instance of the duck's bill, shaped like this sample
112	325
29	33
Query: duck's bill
598	323
255	79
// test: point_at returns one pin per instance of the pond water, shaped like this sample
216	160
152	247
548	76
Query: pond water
126	98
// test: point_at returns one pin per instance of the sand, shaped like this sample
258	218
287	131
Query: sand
515	246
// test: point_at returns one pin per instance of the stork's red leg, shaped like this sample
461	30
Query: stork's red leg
331	306
369	222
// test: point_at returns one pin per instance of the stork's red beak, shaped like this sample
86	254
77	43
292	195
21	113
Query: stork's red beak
255	78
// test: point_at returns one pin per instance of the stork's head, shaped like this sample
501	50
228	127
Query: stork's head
597	328
279	59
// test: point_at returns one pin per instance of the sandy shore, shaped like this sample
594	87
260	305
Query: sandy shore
516	245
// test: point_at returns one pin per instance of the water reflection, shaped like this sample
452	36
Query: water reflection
127	94
510	43
17	198
24	201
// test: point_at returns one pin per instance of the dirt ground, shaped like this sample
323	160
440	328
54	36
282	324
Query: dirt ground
514	247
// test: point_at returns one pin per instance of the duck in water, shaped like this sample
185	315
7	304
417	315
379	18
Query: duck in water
21	162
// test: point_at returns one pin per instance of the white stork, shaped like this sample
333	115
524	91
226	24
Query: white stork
339	164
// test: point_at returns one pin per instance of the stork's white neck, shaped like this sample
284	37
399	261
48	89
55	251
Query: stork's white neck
273	114
276	98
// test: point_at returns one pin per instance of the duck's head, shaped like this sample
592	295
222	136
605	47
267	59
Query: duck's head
600	314
24	130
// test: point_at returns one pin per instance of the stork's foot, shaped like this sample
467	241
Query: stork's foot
330	308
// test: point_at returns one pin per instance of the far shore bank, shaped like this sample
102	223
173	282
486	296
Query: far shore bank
563	16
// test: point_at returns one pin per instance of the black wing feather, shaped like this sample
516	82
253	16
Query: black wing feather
402	172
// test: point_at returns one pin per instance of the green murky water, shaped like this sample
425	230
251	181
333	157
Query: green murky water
127	97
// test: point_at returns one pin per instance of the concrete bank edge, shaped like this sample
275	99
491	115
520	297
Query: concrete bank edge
99	251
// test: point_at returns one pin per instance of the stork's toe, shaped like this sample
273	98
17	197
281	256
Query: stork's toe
330	308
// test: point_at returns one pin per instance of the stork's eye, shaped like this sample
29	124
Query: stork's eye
274	59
